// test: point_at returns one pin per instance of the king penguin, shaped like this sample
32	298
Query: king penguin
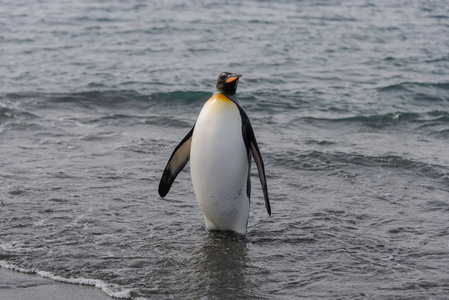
220	146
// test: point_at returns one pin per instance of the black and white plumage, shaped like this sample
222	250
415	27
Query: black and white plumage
220	146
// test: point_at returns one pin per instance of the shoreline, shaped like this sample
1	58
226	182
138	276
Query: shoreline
17	285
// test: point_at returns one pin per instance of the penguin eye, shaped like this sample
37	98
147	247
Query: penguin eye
223	76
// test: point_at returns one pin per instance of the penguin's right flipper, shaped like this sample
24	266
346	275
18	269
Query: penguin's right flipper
176	163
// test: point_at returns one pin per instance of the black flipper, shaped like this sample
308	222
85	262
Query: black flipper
176	163
251	145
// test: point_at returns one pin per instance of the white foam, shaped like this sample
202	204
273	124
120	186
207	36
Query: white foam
9	266
112	290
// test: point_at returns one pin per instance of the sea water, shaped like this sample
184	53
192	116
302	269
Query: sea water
349	101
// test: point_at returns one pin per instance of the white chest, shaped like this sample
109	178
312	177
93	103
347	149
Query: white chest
219	161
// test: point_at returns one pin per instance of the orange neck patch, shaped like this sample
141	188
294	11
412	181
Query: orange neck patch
219	97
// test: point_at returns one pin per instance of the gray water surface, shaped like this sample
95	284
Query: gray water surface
349	103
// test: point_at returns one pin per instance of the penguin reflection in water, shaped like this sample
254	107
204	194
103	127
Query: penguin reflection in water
220	146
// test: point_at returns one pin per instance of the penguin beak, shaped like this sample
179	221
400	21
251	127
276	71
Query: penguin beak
233	78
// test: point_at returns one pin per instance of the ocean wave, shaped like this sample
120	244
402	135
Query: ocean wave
421	93
131	119
321	161
121	99
5	114
409	85
9	113
377	121
432	123
112	290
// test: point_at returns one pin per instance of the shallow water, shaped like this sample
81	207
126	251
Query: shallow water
349	103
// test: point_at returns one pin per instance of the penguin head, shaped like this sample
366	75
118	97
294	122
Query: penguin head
227	83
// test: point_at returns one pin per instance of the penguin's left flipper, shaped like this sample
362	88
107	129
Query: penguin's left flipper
176	163
251	144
